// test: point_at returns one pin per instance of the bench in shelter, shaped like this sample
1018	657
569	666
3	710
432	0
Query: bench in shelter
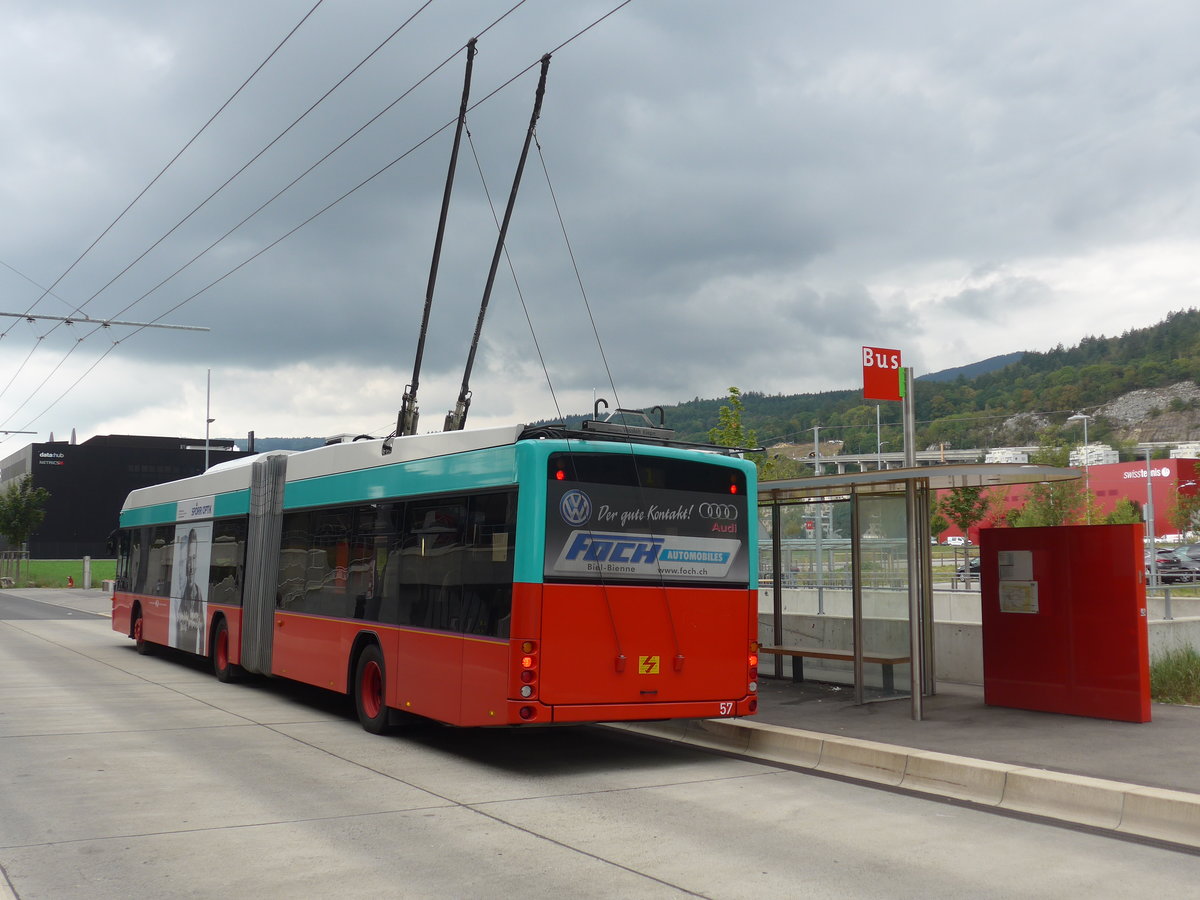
798	655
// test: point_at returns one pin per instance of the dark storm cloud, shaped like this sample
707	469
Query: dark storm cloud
751	192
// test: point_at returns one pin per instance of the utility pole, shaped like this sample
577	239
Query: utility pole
208	420
1087	485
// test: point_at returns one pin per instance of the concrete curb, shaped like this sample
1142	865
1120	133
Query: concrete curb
1125	808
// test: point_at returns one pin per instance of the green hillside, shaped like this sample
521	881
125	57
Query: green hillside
970	412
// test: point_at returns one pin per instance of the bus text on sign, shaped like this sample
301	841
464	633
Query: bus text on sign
883	374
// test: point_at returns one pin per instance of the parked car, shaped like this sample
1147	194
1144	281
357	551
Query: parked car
956	540
1174	566
1191	550
969	570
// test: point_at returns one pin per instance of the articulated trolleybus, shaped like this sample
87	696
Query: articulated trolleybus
502	576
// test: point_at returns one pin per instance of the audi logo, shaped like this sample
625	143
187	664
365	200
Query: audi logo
718	511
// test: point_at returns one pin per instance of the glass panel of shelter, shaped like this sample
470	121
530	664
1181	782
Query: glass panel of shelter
884	578
813	561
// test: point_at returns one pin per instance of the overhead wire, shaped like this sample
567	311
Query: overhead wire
246	219
253	159
325	208
227	181
172	161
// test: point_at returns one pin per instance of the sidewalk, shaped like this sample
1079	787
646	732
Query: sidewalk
93	601
1161	753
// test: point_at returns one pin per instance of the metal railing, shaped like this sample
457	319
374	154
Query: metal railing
10	565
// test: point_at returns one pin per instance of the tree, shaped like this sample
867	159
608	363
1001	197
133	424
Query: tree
729	431
777	468
966	506
21	512
1125	512
1184	514
937	523
1055	502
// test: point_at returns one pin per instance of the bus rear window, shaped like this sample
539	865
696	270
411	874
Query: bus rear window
643	519
646	472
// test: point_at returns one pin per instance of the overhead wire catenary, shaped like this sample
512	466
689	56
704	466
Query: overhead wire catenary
337	200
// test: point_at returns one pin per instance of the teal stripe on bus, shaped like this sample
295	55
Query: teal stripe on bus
149	515
458	472
233	503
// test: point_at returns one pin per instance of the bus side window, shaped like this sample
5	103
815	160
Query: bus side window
488	565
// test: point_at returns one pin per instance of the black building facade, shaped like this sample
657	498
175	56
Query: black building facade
88	483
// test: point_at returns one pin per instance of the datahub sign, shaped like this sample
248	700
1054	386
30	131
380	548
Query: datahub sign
883	374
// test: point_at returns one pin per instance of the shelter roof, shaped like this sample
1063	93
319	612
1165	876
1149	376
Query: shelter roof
886	481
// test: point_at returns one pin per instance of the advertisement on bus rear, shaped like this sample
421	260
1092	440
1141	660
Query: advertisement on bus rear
607	532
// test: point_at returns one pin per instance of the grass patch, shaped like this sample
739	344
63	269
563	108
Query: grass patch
1175	677
53	573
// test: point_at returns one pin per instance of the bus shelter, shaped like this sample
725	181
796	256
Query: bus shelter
847	568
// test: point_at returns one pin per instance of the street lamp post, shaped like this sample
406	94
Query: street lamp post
1087	487
1149	516
208	420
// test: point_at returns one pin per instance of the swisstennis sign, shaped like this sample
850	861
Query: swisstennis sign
883	374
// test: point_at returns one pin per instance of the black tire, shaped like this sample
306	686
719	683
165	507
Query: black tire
143	646
224	670
370	690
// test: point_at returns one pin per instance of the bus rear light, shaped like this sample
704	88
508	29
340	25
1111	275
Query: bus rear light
528	646
754	673
527	712
752	687
753	704
526	662
526	691
753	660
528	676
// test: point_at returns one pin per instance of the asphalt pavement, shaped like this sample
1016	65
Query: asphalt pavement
1140	779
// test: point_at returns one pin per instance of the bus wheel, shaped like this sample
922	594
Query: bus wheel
370	680
222	667
140	643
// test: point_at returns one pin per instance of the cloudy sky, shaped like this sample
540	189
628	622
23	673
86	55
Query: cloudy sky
752	191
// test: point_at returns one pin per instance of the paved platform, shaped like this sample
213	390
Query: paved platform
1161	753
1136	779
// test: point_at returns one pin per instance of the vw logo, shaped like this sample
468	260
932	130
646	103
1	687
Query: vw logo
725	511
575	507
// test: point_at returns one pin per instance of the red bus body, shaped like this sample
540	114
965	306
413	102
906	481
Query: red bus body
574	652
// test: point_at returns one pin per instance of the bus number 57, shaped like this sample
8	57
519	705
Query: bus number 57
725	707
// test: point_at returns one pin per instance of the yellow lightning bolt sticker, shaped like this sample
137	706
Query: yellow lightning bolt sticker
648	665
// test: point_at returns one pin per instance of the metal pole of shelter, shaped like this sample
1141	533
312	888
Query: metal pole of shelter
777	583
916	636
916	532
856	593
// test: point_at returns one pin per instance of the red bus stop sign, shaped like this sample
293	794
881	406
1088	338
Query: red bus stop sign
883	374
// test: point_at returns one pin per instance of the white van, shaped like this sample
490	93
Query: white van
956	540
